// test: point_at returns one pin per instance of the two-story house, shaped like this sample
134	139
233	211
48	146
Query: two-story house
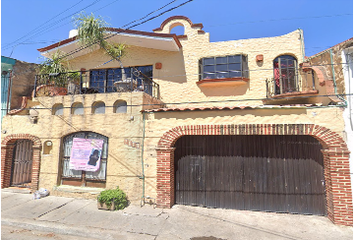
240	124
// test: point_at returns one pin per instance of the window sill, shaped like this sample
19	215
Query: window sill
223	82
72	189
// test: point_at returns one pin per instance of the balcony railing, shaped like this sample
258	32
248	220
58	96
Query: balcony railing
291	83
97	81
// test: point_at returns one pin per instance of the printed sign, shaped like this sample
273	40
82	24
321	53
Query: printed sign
86	154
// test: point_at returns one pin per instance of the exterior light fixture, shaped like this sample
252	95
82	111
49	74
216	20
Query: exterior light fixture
33	115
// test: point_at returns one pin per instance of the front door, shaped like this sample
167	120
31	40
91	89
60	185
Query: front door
22	164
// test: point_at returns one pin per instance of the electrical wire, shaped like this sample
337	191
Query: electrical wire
46	22
212	101
113	34
148	14
162	77
55	23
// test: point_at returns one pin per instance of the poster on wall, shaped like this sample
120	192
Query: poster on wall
86	154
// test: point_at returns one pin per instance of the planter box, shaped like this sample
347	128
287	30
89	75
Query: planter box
103	206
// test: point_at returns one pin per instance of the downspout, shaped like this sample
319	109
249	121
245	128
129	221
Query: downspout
142	158
334	79
9	90
302	44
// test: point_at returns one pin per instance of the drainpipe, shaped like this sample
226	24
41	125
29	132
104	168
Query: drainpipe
8	103
142	158
334	79
302	44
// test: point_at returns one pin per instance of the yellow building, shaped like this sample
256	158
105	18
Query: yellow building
242	124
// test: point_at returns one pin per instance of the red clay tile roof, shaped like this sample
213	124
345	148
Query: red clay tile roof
181	109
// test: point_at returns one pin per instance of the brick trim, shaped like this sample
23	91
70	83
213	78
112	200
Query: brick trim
7	147
335	155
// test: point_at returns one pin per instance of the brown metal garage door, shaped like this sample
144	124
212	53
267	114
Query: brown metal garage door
267	173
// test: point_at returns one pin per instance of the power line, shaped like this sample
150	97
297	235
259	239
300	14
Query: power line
55	23
197	74
113	34
199	102
149	14
46	22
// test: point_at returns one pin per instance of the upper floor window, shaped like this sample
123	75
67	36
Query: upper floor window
98	107
285	74
130	78
234	66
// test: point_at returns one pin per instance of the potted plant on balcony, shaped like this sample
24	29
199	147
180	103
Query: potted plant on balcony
112	199
52	69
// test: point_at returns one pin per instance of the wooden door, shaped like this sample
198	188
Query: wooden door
22	164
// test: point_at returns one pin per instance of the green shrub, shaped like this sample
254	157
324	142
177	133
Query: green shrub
113	195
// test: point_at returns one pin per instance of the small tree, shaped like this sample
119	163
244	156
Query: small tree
91	31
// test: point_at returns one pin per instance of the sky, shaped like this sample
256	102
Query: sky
27	25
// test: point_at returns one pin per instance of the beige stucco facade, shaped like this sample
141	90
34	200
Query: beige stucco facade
134	136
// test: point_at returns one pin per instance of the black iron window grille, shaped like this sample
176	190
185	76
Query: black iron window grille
79	177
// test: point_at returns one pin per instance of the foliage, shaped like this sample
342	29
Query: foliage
91	31
113	195
54	66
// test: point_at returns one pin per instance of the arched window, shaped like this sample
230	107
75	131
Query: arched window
87	165
57	109
77	108
285	74
120	106
98	108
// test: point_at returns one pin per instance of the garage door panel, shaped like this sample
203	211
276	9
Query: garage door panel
282	174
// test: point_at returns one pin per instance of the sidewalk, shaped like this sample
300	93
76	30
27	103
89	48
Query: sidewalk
80	217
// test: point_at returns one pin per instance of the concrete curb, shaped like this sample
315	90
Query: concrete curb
59	228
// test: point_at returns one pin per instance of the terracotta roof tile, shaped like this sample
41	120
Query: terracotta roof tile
181	109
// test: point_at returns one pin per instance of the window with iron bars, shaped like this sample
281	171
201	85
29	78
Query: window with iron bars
79	177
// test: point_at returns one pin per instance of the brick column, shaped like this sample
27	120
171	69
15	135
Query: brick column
165	177
6	165
338	186
36	161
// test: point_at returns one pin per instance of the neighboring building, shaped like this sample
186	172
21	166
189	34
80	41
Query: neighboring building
243	124
16	84
335	64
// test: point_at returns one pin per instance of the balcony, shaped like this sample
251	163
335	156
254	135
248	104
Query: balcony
290	84
95	81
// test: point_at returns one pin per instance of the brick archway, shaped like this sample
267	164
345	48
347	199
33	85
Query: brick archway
335	157
7	149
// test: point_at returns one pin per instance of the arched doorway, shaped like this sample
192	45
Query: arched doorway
263	173
20	161
339	206
21	175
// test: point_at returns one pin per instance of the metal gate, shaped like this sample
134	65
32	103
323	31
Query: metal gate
267	173
22	164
